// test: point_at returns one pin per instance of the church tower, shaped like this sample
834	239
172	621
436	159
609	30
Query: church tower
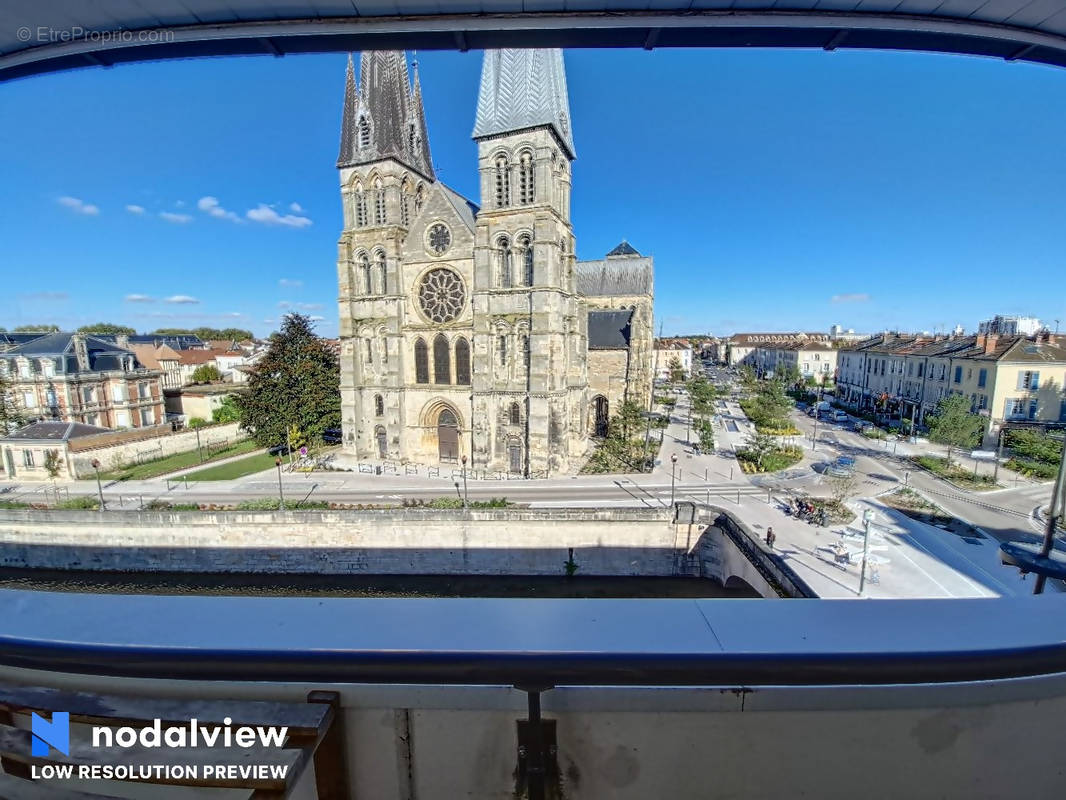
529	326
386	172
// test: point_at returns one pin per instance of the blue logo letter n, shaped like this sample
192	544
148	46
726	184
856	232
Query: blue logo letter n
55	733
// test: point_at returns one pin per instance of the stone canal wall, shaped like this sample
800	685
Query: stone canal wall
616	542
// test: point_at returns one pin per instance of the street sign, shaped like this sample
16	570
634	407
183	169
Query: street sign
983	455
303	451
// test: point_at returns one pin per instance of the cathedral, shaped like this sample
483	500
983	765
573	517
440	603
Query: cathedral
469	332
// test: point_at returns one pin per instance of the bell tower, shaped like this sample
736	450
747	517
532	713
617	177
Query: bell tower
529	326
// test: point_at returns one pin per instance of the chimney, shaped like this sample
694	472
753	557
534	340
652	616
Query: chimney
81	352
979	342
122	340
990	340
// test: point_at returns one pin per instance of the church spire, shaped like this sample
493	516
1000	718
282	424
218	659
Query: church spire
380	119
523	89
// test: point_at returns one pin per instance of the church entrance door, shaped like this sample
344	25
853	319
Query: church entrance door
514	451
602	410
448	436
382	439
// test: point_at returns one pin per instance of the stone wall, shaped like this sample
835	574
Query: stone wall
407	541
117	450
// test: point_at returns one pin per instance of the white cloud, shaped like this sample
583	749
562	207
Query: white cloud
268	216
209	205
135	209
316	319
269	321
296	207
79	206
287	282
181	298
180	204
284	304
177	219
309	306
138	298
859	297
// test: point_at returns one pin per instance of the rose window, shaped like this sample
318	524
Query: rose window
440	239
441	295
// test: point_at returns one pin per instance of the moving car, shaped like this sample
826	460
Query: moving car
842	467
839	416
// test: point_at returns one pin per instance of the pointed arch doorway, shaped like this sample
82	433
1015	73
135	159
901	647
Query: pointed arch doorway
448	435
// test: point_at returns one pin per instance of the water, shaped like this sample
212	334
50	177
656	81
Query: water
180	583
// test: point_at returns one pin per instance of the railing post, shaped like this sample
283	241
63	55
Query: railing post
533	750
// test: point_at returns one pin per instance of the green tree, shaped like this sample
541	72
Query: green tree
197	422
107	328
226	334
228	411
206	373
53	464
297	382
953	425
760	445
787	376
36	329
10	416
676	370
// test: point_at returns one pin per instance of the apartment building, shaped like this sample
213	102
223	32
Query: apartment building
741	347
811	359
72	377
666	350
1006	378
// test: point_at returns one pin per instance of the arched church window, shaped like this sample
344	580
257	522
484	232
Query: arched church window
523	350
442	360
503	182
526	188
379	405
379	202
527	260
364	272
384	346
516	414
369	352
501	349
364	133
462	362
360	206
503	258
421	361
379	268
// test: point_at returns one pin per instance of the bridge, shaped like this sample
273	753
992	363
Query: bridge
38	37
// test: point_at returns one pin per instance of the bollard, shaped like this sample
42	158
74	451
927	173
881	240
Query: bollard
738	497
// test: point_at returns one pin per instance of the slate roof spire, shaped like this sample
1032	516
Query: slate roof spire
522	89
383	117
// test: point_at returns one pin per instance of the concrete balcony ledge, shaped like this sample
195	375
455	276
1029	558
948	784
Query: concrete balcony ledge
546	642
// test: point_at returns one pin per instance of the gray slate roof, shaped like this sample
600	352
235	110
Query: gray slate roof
466	209
56	431
393	110
609	330
523	89
102	354
615	276
624	248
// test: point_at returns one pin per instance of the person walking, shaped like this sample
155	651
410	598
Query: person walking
770	538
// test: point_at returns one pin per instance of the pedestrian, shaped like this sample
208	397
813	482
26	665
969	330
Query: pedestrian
770	537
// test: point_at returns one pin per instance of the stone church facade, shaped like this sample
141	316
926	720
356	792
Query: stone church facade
465	333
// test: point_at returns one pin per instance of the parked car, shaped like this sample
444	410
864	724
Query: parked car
839	416
842	467
332	436
279	450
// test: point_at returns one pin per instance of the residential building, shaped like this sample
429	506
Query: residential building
814	358
741	347
198	402
82	378
25	451
1006	378
666	351
463	327
1010	326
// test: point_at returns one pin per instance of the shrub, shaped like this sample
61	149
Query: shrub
13	504
874	433
79	502
1033	469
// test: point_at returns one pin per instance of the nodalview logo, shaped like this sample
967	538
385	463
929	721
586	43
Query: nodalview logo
48	735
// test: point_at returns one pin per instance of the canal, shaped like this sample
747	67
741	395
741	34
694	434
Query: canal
289	585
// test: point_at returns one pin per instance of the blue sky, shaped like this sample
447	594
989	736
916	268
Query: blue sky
776	189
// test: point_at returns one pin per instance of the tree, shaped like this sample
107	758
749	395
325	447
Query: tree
197	422
787	376
53	464
627	420
224	334
677	372
953	424
36	329
228	411
107	328
843	487
760	445
297	382
206	373
10	416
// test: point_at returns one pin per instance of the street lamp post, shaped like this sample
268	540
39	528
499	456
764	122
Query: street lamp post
99	487
814	439
466	493
1054	509
281	492
865	547
673	477
999	455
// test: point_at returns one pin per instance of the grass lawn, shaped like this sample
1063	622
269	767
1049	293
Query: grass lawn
161	466
234	469
955	473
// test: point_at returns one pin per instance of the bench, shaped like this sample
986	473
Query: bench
315	735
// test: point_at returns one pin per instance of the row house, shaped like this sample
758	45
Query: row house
72	377
1006	378
810	358
666	350
742	348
